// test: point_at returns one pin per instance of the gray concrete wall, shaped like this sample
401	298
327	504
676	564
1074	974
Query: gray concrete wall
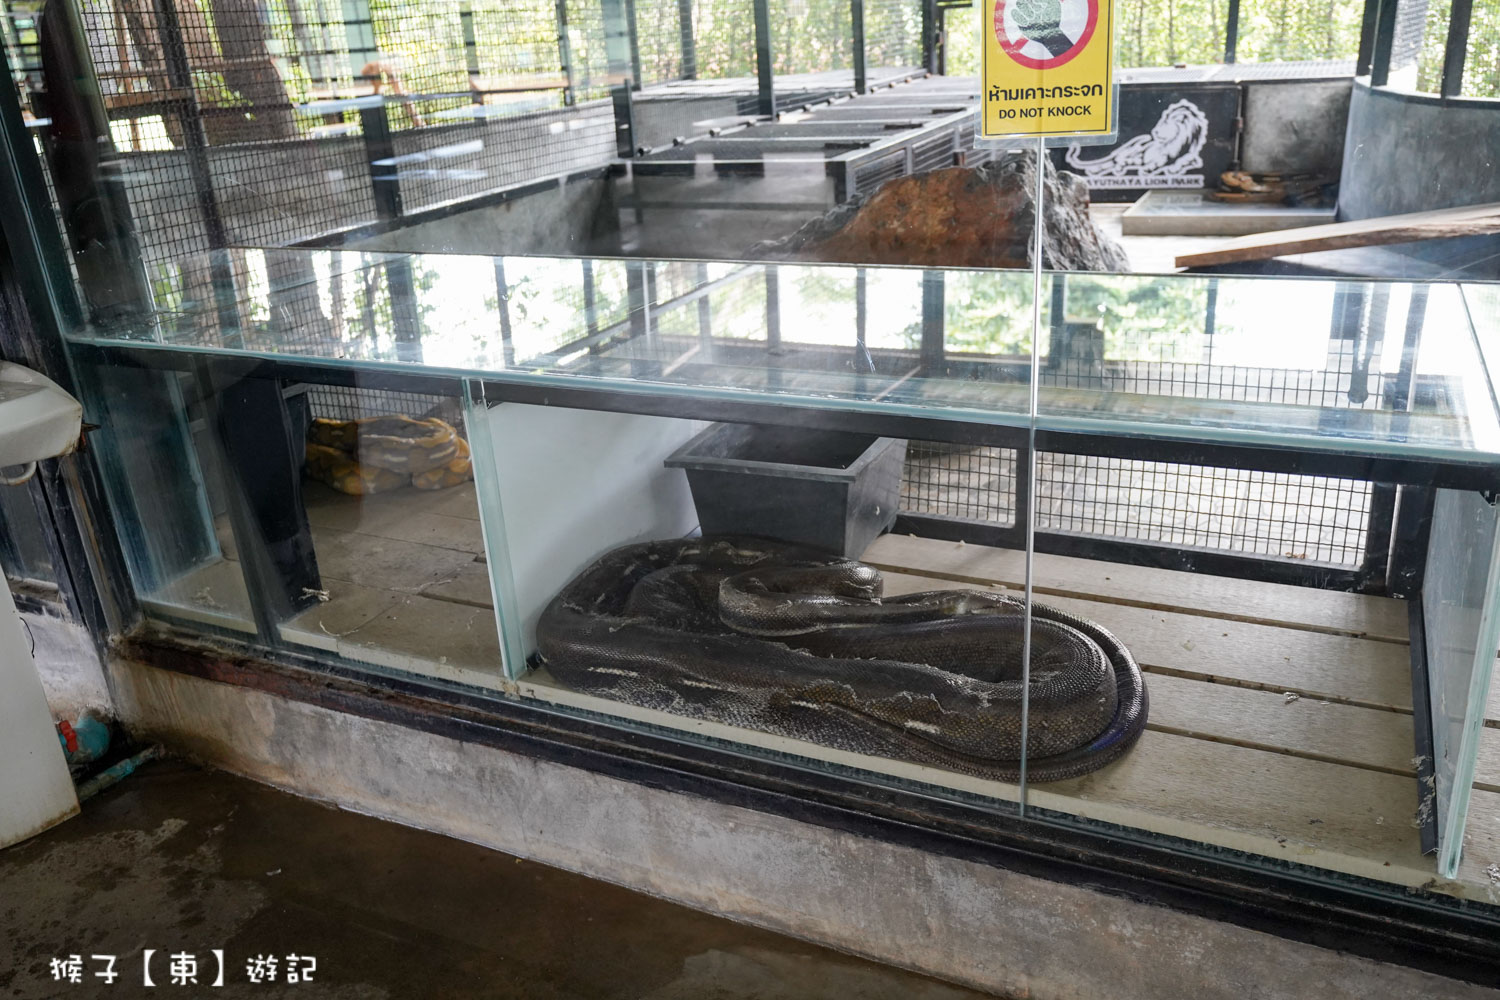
1407	153
1295	126
660	120
569	218
970	923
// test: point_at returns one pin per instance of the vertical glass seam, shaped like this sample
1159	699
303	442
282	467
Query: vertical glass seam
492	528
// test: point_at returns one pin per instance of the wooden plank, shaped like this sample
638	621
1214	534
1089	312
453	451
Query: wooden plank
1345	819
390	562
1264	720
1487	766
1168	590
1341	818
1469	220
1479	867
1314	665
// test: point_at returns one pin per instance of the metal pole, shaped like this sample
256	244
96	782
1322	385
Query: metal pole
635	46
502	303
705	317
1385	40
1038	220
380	155
766	103
857	22
619	50
1367	38
1458	43
930	40
932	351
565	52
1231	32
688	42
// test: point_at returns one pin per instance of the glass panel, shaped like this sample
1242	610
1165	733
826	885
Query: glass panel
296	229
24	558
1206	486
1256	361
174	488
586	543
1461	607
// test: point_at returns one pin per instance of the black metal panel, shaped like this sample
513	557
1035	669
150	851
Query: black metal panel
1456	49
249	422
1198	131
1421	725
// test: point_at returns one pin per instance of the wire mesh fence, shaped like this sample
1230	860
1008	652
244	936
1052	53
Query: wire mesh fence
1194	32
970	484
1225	509
1482	67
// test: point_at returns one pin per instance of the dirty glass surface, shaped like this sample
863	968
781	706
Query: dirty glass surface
309	256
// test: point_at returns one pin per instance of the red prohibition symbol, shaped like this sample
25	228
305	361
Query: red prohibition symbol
1045	34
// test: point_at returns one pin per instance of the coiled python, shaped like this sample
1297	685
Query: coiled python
792	641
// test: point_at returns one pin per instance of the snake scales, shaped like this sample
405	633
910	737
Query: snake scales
788	640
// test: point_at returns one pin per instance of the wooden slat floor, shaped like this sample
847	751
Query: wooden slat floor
1281	717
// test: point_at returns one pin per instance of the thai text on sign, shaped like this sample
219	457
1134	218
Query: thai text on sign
1048	68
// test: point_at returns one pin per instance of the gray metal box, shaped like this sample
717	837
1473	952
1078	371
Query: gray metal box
829	489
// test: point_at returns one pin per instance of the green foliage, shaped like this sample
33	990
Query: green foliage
1143	319
1168	32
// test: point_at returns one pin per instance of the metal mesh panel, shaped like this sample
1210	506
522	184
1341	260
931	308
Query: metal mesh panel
974	484
893	33
1285	30
1168	32
1482	66
250	95
1233	510
1434	41
346	403
812	36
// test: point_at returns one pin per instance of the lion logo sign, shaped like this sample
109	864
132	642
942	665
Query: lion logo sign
1164	157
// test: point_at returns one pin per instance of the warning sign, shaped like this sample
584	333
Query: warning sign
1048	68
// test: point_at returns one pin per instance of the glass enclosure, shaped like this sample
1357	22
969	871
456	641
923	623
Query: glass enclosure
689	366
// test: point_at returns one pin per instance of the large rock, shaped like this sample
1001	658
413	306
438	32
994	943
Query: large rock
959	217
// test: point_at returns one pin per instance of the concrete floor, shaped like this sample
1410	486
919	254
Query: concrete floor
180	859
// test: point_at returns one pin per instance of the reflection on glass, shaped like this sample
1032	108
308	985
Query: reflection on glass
1461	605
175	487
1385	368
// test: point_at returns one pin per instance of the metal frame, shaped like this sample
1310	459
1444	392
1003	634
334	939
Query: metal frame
1456	48
39	304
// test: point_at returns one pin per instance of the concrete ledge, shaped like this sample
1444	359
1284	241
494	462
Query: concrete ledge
974	924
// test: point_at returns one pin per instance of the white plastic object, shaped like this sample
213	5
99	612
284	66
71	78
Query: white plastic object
37	419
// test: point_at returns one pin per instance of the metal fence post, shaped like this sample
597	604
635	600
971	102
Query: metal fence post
1369	15
502	306
930	43
688	42
565	52
1385	39
619	51
857	23
765	73
934	322
1456	48
380	154
635	45
1231	32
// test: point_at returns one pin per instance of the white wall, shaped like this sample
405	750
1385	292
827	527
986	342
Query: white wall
574	484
